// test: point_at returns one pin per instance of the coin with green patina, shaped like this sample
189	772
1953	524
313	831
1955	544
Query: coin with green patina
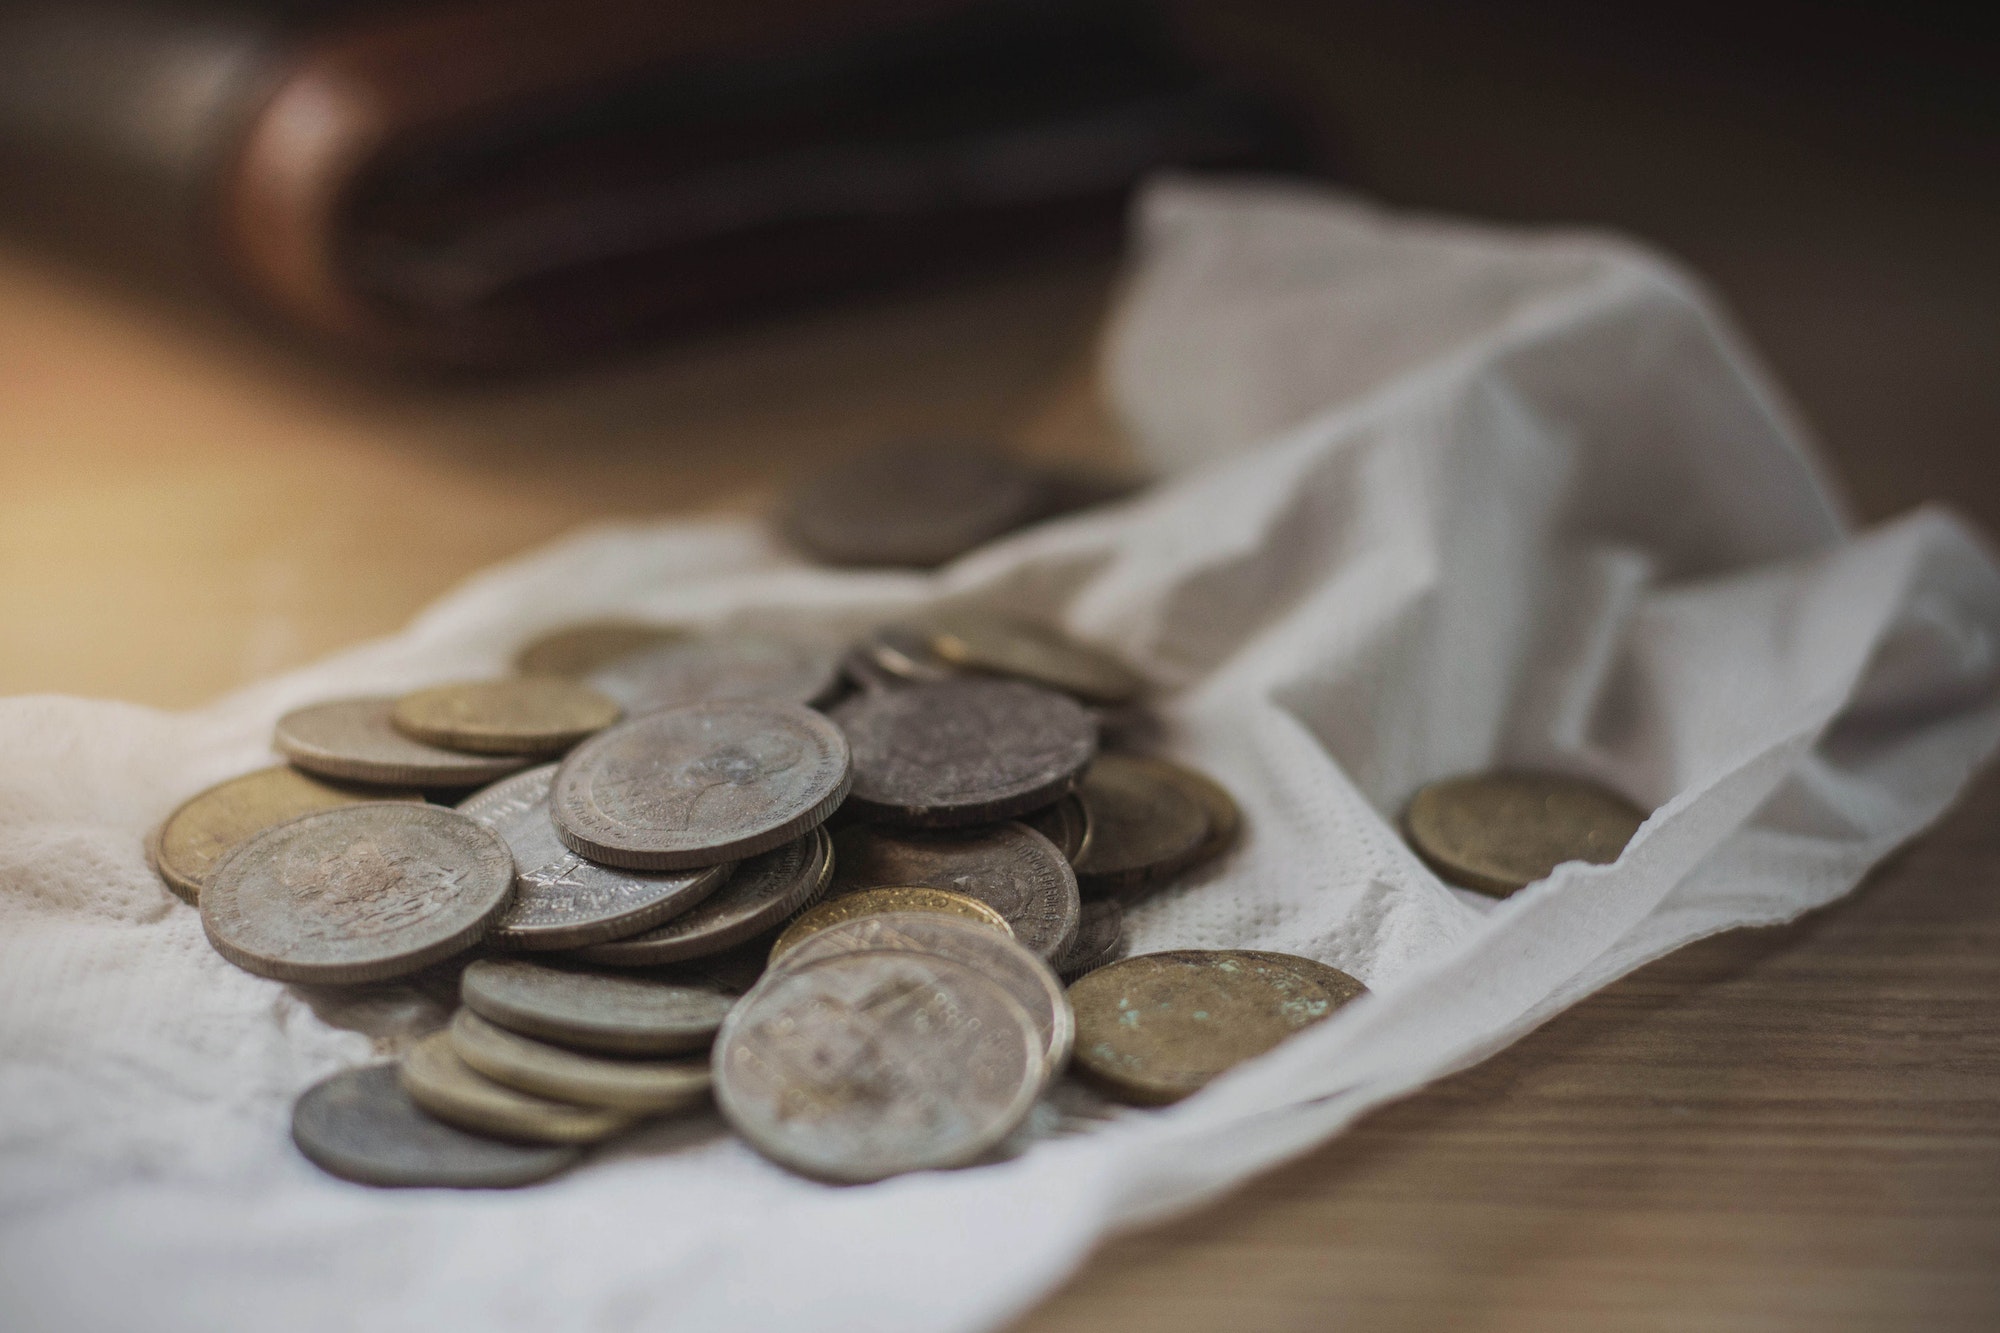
1497	833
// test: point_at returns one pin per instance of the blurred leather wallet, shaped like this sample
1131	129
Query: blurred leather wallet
488	184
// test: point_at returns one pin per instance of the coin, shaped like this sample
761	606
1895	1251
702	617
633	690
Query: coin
917	504
360	1125
699	784
960	752
533	715
1065	823
1024	976
1340	985
591	1011
1155	1028
723	666
578	650
894	655
1144	824
355	740
1008	646
206	825
638	1087
1100	938
357	893
866	1065
867	902
1225	820
1500	832
562	901
763	893
455	1093
1009	867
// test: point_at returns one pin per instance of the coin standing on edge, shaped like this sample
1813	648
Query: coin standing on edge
355	741
1008	646
637	1087
1009	867
455	1093
1497	833
578	650
722	666
531	715
764	892
915	504
362	1126
868	902
591	1011
357	893
1144	825
1100	938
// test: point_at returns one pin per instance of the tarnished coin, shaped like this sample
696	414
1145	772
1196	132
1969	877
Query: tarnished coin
208	824
1225	820
639	1087
1008	646
961	752
1009	867
1100	939
867	902
534	715
704	783
1144	824
1066	824
1158	1027
866	1065
1024	976
361	1126
562	901
353	739
896	655
578	650
1500	832
1340	985
916	504
616	1015
357	893
455	1093
723	666
763	893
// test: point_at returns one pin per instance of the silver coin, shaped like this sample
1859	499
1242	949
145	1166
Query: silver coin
360	1125
916	504
1025	976
592	1011
354	739
562	901
764	892
724	666
961	752
1066	824
1100	939
700	784
357	893
866	1065
640	1087
1009	867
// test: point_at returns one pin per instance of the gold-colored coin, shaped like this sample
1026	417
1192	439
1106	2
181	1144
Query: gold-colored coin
1498	833
640	1087
1005	646
1338	984
534	715
1225	818
1145	823
210	823
578	650
1155	1028
444	1085
868	902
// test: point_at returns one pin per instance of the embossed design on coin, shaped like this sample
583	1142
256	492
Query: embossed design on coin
578	650
1100	938
532	715
696	785
963	751
1144	825
1500	832
763	893
867	902
354	740
1065	823
917	504
357	893
639	1087
455	1093
562	901
1007	646
865	1065
209	823
616	1015
725	666
1009	867
360	1125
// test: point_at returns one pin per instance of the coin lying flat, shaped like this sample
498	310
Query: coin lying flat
1225	820
865	1065
455	1093
867	902
700	784
961	752
533	715
639	1087
591	1011
1100	938
1024	976
208	824
1144	823
1500	832
354	739
914	504
1008	646
578	650
360	1125
1009	867
763	893
1155	1028
1065	823
357	893
562	901
896	655
1342	986
723	666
